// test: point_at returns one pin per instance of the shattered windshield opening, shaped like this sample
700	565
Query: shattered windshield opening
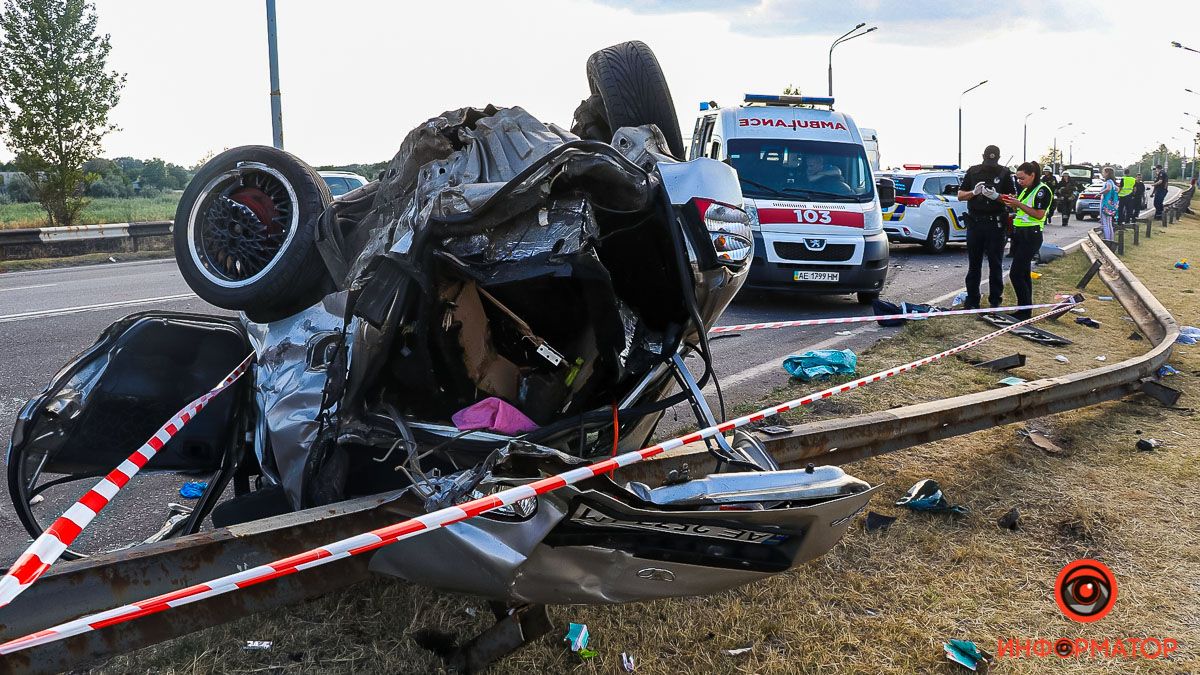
802	169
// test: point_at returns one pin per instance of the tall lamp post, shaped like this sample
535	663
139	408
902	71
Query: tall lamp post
845	37
1183	169
1054	153
1071	147
273	59
960	99
1025	135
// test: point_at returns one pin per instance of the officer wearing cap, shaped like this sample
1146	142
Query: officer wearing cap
1160	189
1033	207
986	219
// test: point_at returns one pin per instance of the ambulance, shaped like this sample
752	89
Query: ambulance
809	190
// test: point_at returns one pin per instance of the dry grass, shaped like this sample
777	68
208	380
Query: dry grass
879	602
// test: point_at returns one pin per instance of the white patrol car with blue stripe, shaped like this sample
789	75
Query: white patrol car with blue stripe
927	210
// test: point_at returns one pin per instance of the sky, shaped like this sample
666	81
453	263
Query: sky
356	75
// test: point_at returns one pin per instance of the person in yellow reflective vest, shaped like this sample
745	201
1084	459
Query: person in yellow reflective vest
1033	207
1126	205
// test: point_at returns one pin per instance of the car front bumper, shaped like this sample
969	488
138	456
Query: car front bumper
867	277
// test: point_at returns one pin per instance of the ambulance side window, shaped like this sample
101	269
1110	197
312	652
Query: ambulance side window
701	136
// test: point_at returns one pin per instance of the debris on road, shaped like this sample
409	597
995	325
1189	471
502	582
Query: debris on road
37	499
736	652
967	654
577	640
1087	321
1167	370
627	662
1136	336
1041	440
1010	520
842	333
926	495
1062	359
1011	381
1105	298
1148	444
1182	265
1102	358
820	364
257	645
1188	335
877	521
193	489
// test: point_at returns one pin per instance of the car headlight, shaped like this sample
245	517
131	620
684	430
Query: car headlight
873	220
522	509
729	228
752	213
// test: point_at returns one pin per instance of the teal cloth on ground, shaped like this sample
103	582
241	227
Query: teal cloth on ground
819	364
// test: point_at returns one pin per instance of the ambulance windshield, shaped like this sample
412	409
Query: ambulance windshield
802	169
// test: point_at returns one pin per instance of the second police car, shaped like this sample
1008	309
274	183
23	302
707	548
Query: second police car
927	210
809	190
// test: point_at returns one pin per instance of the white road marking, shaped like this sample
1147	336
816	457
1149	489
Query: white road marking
46	313
23	288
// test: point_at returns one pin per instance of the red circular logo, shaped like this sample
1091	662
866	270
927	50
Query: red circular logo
1085	590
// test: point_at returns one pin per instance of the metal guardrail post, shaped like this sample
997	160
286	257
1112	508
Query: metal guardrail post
1137	226
1121	238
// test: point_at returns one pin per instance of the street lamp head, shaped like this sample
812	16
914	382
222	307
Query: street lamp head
871	29
1176	45
860	25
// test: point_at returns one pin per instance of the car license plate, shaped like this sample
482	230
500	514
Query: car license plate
806	275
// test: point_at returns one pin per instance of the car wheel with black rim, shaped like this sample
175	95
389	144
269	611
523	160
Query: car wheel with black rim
245	233
939	234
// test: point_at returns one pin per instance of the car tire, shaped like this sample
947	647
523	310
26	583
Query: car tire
245	233
865	297
939	236
628	90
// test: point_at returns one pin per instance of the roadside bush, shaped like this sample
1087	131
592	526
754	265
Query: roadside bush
110	186
150	191
4	198
20	189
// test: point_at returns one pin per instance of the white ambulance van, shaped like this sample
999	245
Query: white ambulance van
809	189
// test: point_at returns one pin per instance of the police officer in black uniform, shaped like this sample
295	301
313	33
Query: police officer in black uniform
986	222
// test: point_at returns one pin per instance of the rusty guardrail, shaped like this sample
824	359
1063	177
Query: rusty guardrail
112	579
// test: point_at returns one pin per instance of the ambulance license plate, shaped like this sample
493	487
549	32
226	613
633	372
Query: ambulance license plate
806	275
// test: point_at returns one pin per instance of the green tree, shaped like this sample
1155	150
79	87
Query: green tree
55	96
154	174
1052	158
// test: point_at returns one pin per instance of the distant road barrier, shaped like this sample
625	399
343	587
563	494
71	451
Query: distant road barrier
32	239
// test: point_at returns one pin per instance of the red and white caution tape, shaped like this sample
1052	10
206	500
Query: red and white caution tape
869	317
391	534
47	548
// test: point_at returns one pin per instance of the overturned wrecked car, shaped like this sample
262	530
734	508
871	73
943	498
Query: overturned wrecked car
508	300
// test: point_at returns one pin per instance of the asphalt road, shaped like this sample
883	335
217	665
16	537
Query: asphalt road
46	317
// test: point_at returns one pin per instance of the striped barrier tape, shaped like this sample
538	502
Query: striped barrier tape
872	317
391	534
47	548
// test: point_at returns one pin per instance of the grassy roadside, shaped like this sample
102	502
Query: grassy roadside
99	211
879	602
81	260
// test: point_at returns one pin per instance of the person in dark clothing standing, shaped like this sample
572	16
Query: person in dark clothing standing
1160	190
1033	207
1139	196
1064	196
986	219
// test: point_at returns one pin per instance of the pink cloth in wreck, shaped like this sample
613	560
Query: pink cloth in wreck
493	414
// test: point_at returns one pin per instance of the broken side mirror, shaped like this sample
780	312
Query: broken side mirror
887	192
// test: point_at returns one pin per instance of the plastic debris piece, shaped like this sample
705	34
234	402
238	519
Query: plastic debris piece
577	637
627	662
257	645
1166	370
1148	444
1087	321
1102	358
1011	381
471	611
111	259
959	299
1010	520
37	499
965	653
1062	359
843	333
1050	252
1042	441
820	364
493	414
926	495
1105	298
736	652
877	521
1079	310
1182	265
1035	275
193	489
1136	336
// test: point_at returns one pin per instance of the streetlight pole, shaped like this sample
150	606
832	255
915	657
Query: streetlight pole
273	59
1071	150
1054	153
960	99
1025	136
845	37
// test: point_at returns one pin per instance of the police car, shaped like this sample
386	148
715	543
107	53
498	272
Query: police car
809	191
927	210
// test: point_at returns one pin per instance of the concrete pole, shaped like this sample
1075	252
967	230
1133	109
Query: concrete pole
273	57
